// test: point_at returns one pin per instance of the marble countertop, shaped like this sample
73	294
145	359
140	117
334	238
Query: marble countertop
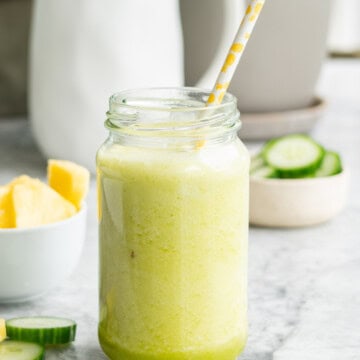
304	288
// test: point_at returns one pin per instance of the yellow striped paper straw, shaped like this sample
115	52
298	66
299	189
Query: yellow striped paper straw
236	50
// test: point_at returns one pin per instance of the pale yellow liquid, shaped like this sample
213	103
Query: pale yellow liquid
173	252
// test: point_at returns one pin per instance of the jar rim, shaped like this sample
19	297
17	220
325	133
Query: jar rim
119	100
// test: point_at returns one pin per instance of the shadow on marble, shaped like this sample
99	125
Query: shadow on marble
74	352
256	356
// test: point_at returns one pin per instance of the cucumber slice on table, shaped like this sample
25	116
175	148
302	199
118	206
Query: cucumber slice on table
293	156
19	350
331	165
42	330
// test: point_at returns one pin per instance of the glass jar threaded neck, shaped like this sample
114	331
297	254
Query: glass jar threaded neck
171	117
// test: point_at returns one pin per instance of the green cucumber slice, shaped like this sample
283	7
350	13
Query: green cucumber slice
331	165
18	350
42	330
264	172
293	156
257	161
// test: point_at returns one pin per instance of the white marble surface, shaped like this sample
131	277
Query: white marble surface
304	287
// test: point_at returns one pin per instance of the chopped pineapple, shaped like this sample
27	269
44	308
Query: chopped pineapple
2	330
6	211
35	203
27	202
23	179
7	216
69	179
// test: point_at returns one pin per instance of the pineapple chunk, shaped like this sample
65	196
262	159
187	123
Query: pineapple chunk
6	211
35	203
7	216
69	179
2	330
23	179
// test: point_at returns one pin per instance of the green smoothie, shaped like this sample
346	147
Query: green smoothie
173	252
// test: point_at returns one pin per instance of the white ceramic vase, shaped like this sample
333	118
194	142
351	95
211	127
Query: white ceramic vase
82	52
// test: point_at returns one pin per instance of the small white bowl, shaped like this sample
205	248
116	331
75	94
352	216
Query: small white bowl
34	260
297	202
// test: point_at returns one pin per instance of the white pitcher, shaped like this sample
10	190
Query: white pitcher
282	61
83	51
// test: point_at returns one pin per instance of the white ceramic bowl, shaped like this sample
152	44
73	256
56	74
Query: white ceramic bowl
34	260
297	202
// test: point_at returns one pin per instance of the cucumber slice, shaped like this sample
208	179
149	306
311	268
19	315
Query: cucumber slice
264	172
331	165
293	156
18	350
42	330
257	161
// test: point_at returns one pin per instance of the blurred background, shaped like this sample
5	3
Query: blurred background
15	31
15	18
60	62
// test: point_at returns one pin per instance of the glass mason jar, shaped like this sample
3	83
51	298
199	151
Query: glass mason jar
173	212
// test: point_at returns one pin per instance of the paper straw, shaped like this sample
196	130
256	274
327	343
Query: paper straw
236	50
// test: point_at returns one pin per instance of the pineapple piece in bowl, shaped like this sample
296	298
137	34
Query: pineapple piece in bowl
27	202
41	237
69	179
2	330
34	203
6	213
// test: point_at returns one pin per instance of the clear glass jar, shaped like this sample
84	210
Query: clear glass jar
173	212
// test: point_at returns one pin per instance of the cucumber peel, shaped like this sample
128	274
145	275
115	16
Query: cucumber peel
264	172
293	156
331	165
42	330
